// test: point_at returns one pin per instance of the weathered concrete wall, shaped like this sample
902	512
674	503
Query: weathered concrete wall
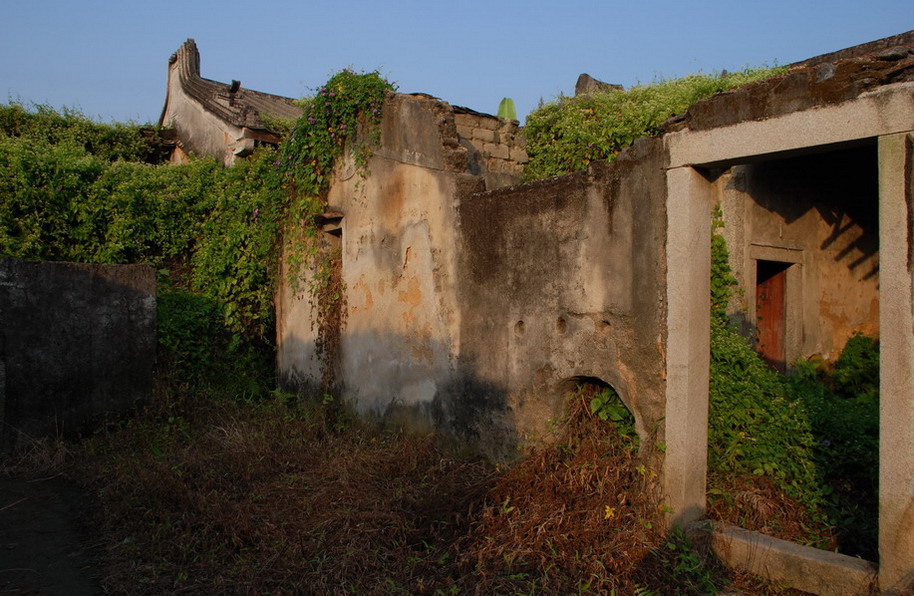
401	336
562	280
474	313
819	213
76	342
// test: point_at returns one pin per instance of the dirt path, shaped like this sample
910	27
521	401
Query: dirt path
45	539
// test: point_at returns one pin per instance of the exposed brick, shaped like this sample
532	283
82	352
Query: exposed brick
464	131
478	145
484	134
489	123
493	164
519	155
502	166
499	151
465	120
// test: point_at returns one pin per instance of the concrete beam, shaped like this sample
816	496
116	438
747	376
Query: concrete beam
688	338
896	377
884	111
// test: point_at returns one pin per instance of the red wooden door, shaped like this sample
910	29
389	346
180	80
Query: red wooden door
770	313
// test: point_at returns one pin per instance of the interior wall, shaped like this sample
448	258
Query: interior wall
818	213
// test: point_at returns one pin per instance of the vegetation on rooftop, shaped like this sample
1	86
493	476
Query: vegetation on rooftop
565	135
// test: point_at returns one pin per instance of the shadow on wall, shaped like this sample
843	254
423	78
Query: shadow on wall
393	383
77	342
387	380
841	186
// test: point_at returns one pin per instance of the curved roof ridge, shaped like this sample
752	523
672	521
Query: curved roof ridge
230	102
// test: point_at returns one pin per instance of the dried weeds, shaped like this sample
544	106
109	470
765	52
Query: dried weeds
218	496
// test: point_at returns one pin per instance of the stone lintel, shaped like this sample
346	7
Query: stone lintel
886	110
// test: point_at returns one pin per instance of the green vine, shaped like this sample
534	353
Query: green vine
72	189
344	113
755	427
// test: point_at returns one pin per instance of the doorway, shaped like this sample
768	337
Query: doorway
771	312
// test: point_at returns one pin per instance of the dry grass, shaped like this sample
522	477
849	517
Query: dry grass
578	515
227	497
756	503
36	457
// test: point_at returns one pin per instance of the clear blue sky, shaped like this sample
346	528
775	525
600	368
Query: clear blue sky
109	58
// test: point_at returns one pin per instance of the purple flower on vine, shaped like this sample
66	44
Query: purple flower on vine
256	213
311	120
826	442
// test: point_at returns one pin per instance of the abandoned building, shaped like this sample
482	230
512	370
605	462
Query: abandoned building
475	302
210	118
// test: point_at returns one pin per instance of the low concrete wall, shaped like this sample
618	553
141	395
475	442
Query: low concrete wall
800	567
77	341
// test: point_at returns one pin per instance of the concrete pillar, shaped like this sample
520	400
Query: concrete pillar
688	254
896	381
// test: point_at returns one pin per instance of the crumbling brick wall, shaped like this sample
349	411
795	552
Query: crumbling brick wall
496	147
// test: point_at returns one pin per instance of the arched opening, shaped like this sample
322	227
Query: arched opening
603	400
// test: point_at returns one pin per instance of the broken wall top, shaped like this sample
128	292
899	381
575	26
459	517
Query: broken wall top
823	80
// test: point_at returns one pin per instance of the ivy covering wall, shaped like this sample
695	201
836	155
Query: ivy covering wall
75	190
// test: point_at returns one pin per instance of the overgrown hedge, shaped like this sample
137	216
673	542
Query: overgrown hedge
75	190
565	135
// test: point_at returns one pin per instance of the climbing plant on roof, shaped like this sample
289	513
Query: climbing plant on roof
348	103
72	189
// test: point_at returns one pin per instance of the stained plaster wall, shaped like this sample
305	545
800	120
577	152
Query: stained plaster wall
401	335
819	213
562	279
472	312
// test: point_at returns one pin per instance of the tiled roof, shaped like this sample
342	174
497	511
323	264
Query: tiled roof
230	102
